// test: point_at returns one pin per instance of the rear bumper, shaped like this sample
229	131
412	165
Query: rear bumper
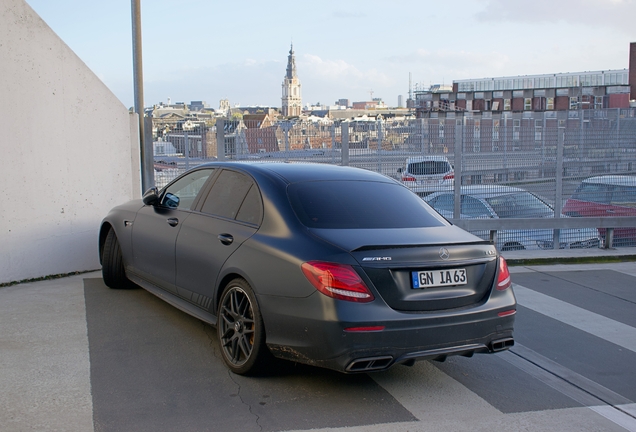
440	354
314	331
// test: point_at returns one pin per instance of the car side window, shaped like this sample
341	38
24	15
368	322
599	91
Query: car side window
624	196
251	210
445	202
181	194
598	193
234	196
473	207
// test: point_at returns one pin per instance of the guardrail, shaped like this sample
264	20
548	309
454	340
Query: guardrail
558	223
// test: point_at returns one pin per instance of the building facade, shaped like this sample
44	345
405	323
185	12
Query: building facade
291	100
548	92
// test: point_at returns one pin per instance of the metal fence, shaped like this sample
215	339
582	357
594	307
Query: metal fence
579	163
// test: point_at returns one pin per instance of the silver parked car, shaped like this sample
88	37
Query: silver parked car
503	202
425	174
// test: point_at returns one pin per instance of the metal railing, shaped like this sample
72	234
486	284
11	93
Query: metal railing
548	154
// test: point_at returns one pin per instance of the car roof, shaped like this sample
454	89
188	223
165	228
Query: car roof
426	158
618	180
484	191
297	172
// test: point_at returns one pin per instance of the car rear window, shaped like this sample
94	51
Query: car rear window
593	192
624	196
428	167
356	204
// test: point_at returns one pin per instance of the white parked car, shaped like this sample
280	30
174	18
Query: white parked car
426	174
502	202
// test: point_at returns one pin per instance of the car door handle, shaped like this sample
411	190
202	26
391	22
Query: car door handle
173	222
226	239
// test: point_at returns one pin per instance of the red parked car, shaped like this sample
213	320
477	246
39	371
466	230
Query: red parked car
608	195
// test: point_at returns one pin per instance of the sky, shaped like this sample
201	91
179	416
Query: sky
345	49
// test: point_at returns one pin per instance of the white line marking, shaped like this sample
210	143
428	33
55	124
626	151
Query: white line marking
590	322
616	416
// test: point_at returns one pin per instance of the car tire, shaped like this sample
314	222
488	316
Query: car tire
512	247
113	271
240	329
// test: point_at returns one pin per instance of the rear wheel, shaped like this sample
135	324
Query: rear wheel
240	329
113	271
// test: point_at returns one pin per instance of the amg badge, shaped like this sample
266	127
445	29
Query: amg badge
376	259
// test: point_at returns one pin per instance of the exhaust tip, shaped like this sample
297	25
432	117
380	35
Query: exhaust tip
369	364
501	345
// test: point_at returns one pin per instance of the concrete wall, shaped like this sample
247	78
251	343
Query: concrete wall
69	151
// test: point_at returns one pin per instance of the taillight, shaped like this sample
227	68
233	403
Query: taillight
450	176
503	280
408	178
337	281
369	329
507	313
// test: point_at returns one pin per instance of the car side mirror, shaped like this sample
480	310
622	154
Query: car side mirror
171	201
399	170
151	197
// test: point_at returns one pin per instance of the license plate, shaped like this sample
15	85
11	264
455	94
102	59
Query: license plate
428	182
438	278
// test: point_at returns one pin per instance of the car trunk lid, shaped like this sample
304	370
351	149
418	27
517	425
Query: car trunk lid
422	269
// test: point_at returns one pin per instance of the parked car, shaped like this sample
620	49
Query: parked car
608	195
426	174
497	201
304	262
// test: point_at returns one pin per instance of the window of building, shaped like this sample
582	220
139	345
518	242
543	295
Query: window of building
538	130
598	102
574	103
527	104
549	105
506	104
516	130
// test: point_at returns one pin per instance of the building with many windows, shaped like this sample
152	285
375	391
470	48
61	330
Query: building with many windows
547	92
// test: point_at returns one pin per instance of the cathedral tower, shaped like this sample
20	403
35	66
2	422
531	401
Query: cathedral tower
292	102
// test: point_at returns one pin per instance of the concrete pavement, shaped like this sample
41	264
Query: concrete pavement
45	365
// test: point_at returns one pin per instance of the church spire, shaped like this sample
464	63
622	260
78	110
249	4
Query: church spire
291	100
291	63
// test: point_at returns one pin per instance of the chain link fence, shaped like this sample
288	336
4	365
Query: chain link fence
548	164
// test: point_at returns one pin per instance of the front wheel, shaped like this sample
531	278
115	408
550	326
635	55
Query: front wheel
113	271
240	329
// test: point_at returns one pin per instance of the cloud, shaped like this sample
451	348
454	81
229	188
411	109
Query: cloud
443	66
347	15
615	14
249	82
339	70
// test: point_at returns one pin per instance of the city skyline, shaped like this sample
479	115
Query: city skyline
354	50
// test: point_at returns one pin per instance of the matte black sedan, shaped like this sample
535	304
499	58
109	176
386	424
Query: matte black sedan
331	266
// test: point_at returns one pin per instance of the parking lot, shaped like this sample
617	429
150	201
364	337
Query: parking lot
78	356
